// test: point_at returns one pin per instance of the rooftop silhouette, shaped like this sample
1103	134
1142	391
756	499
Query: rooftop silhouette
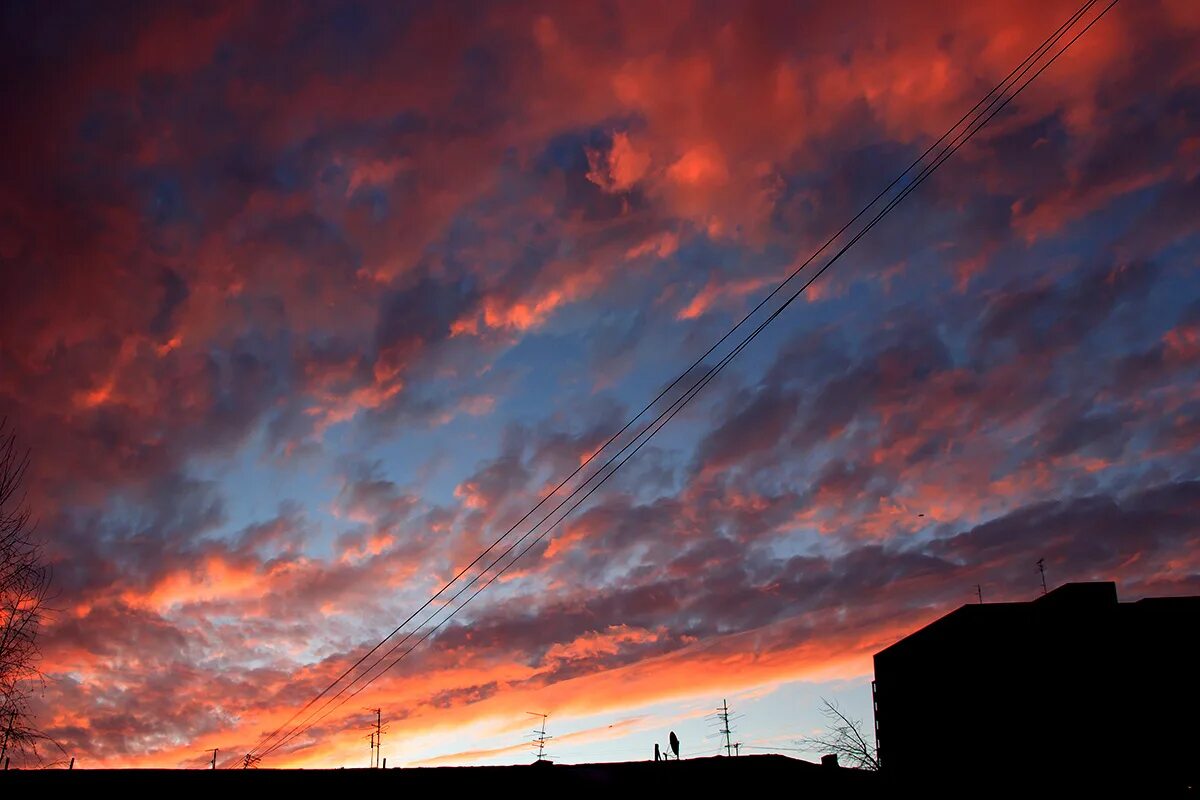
1073	687
695	777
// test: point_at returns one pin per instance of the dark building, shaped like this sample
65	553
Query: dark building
1072	688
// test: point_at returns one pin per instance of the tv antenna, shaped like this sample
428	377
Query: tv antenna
723	716
376	737
539	736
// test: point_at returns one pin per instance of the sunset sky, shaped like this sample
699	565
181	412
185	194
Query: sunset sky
303	304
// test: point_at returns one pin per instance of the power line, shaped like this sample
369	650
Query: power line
1039	52
679	403
775	749
672	411
664	416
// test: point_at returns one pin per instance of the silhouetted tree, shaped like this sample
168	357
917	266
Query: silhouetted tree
24	584
844	737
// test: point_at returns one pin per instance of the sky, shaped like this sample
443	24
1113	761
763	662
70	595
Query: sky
304	304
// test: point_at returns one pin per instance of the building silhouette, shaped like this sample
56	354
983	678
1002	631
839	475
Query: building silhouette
1074	688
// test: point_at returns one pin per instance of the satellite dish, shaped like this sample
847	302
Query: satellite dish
674	744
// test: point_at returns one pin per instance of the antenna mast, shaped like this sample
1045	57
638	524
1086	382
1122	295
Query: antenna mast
723	713
376	737
539	736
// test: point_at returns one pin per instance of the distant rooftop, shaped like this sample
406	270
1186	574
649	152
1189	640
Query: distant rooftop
1074	598
1045	690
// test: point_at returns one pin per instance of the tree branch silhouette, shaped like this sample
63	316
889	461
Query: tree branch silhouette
24	591
843	737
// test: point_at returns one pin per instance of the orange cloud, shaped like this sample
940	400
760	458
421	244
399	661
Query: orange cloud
703	165
607	642
214	579
714	293
620	169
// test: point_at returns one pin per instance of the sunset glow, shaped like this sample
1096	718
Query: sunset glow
305	304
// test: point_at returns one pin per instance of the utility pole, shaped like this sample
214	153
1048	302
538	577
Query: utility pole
250	761
1041	565
214	758
979	591
737	748
540	738
723	713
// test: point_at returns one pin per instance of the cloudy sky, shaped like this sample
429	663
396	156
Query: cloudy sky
305	304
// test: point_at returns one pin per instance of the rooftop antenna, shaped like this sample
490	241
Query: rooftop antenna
377	737
1041	565
540	738
979	592
723	715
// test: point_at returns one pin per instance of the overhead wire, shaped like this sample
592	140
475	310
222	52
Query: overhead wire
643	436
680	402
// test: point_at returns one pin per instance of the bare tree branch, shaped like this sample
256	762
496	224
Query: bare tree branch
843	737
24	591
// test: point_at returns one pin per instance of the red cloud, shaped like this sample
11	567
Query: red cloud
217	228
